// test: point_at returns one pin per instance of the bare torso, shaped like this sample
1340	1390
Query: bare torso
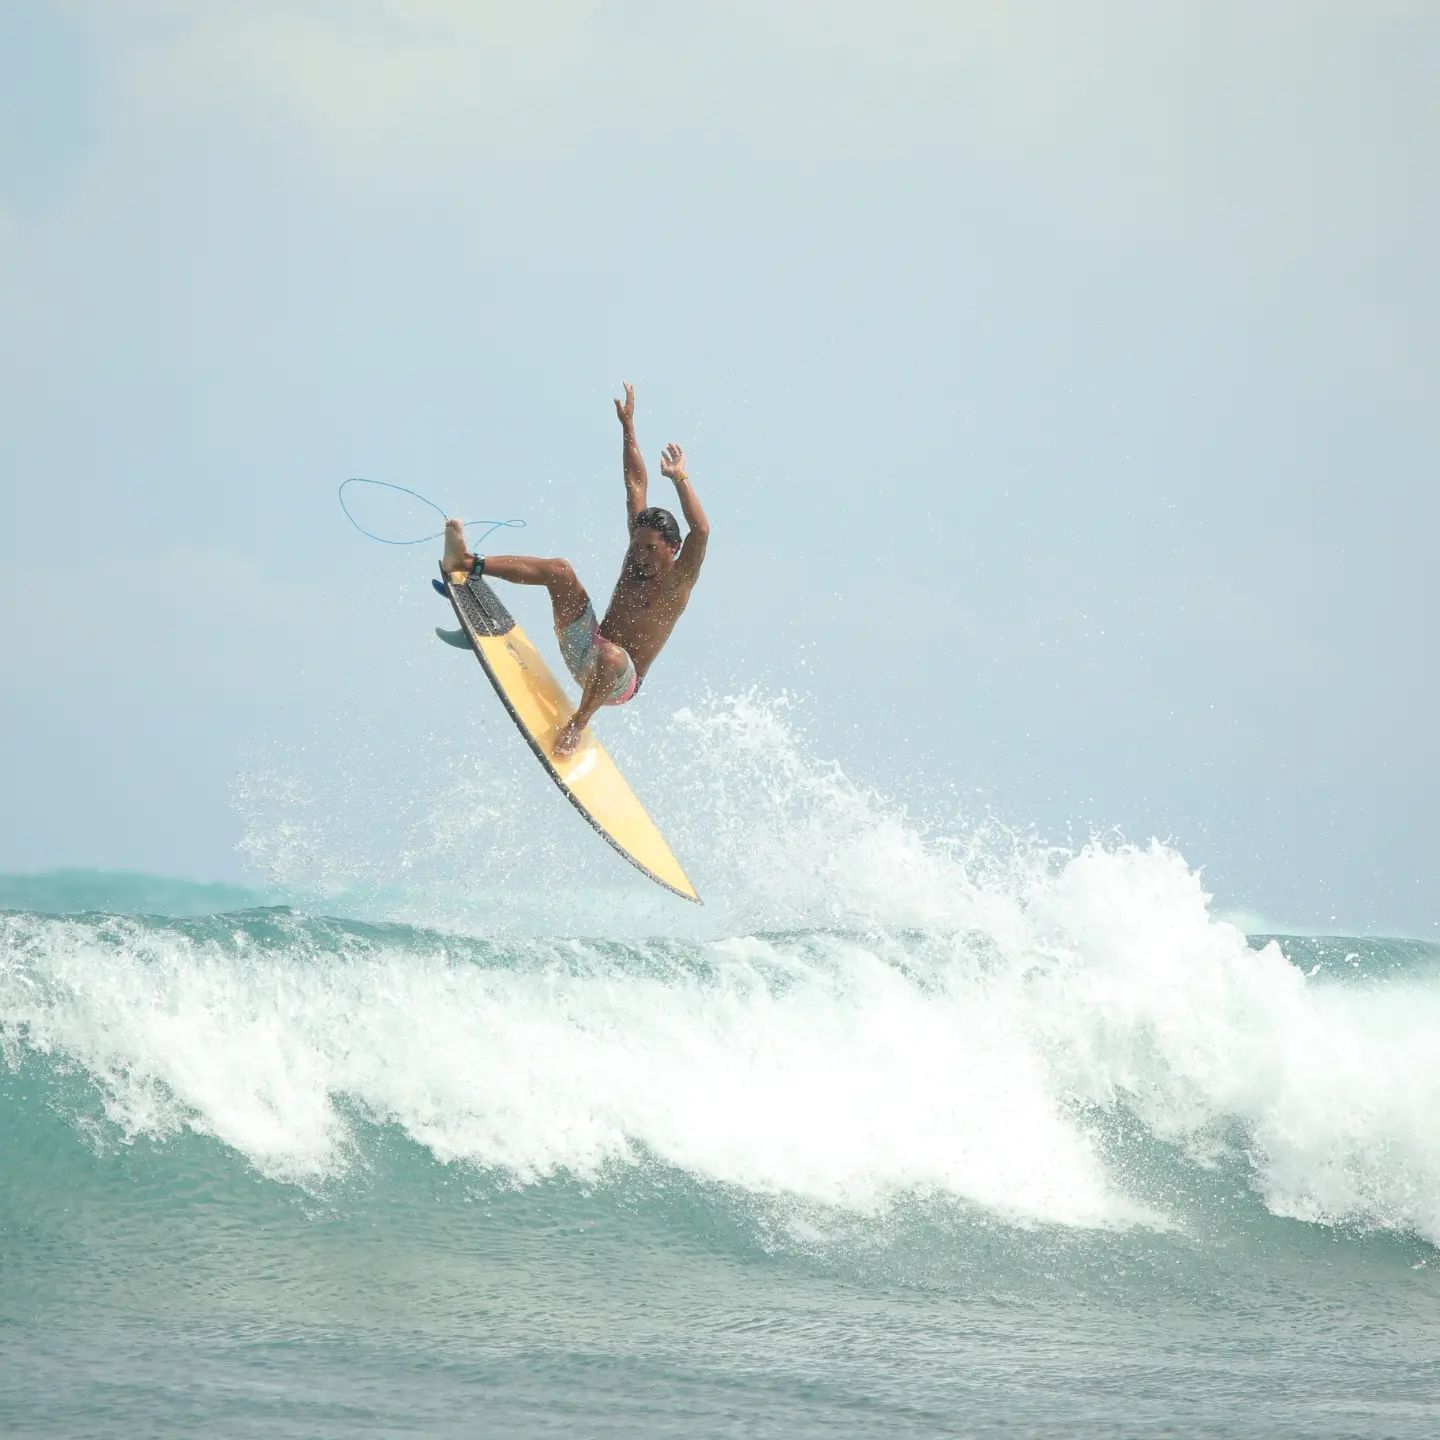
642	613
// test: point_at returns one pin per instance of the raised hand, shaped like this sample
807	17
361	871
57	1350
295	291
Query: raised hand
672	463
625	408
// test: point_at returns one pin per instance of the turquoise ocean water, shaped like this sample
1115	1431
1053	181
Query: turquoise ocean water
1020	1143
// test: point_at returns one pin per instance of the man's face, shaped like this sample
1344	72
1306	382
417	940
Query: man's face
649	555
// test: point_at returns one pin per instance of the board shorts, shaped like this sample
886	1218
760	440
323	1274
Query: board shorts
577	648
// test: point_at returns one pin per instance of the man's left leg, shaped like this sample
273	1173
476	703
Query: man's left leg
610	664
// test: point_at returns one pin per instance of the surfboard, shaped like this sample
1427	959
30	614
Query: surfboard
589	779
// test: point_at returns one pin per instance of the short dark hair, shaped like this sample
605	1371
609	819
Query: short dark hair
657	519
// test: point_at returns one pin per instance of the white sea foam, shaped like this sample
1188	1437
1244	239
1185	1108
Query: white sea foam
896	1015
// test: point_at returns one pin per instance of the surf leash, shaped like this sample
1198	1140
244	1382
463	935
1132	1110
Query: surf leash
493	525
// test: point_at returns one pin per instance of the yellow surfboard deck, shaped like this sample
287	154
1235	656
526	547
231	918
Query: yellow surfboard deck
539	707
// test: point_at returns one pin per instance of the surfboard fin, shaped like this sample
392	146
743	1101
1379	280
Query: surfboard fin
457	638
440	589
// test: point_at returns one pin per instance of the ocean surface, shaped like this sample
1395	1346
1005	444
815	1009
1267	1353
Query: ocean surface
997	1139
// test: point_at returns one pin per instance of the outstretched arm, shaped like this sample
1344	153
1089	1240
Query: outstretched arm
636	480
692	552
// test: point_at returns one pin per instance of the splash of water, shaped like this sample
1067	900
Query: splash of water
884	1015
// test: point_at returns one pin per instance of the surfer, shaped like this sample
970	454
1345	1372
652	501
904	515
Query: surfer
610	658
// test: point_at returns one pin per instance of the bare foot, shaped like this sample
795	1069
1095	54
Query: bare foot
568	740
455	551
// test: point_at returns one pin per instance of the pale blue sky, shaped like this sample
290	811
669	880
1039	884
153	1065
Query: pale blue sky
1060	379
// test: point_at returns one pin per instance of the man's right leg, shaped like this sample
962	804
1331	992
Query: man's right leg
567	595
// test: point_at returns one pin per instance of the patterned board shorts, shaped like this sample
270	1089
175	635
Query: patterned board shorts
577	647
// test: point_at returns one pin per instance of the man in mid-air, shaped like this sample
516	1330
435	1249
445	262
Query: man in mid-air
611	657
